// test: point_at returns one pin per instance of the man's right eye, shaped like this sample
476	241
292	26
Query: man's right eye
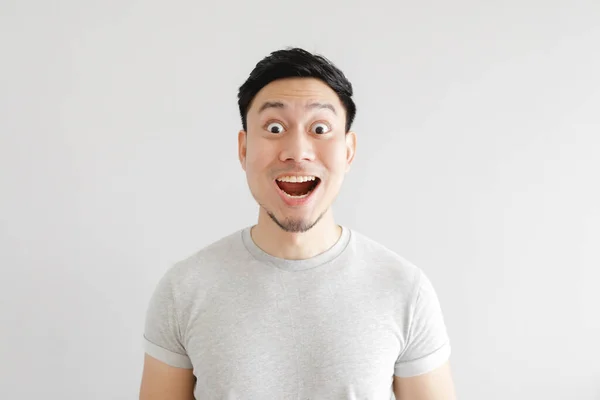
275	127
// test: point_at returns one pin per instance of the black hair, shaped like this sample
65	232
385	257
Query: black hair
296	62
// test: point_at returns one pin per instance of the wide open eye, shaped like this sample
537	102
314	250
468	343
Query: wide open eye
320	128
275	127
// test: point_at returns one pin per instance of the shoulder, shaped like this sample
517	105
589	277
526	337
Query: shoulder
205	266
385	263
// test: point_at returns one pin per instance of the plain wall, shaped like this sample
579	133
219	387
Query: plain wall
478	160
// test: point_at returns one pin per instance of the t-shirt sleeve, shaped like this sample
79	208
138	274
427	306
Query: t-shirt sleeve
427	344
163	338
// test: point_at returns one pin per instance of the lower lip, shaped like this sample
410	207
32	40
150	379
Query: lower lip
292	202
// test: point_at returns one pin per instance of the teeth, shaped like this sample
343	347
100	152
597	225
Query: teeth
296	179
297	197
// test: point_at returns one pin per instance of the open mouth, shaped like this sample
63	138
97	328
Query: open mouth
297	187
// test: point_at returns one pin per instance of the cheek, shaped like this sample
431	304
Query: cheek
335	159
258	159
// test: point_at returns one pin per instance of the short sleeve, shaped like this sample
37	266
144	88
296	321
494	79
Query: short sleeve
163	339
427	345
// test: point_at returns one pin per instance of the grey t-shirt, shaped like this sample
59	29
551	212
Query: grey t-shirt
335	326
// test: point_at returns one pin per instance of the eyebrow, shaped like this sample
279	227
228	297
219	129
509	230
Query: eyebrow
271	104
321	106
278	104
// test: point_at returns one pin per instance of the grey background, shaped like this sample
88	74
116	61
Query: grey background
477	160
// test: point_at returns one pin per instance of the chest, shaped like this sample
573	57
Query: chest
276	340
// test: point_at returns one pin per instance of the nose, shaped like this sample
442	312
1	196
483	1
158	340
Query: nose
297	146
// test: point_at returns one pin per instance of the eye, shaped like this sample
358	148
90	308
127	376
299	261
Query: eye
320	128
275	127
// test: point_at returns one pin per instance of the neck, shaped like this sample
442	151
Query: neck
295	246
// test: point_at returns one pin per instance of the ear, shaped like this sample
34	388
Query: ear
350	149
242	146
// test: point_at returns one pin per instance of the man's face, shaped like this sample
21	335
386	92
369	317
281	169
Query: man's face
296	128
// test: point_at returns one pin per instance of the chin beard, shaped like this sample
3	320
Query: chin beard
294	225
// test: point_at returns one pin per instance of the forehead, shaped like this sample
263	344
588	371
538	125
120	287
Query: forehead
298	91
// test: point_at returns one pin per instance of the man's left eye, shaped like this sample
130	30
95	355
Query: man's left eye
320	128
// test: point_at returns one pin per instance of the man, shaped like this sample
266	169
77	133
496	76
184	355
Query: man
296	306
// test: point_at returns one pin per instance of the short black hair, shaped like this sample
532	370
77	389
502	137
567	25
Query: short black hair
293	63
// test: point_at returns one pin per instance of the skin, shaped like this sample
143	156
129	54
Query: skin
163	382
294	232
